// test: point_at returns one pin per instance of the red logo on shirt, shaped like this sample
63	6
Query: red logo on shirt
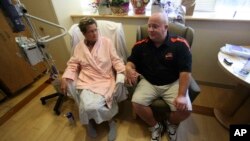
169	56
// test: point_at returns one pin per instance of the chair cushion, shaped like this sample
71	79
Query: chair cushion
160	109
159	103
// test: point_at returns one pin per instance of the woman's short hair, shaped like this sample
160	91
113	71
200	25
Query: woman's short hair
84	22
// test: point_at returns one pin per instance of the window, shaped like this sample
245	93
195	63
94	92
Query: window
226	8
221	9
205	5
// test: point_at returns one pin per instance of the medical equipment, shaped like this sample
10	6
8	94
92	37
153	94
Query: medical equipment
33	48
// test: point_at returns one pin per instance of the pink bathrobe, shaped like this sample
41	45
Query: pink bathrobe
94	70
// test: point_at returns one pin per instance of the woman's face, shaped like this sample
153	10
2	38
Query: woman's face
91	33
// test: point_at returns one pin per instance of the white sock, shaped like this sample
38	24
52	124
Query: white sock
112	131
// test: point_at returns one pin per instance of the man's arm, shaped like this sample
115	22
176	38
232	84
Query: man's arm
181	101
183	83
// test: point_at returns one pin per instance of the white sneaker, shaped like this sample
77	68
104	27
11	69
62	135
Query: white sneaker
172	131
156	132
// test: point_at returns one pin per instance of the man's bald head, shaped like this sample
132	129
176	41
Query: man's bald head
157	28
161	17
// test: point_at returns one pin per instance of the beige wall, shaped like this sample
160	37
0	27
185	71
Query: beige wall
63	10
210	35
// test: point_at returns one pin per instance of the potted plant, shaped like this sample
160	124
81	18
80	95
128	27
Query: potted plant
103	3
157	6
119	7
139	6
103	7
118	2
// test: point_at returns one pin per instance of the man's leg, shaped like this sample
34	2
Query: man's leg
178	116
142	97
145	113
172	123
175	116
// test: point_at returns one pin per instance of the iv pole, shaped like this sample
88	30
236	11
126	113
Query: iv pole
40	44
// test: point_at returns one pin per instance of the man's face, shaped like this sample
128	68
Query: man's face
91	33
156	29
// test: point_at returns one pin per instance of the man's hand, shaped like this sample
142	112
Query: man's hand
181	103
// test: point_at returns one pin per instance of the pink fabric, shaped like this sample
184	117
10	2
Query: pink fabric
96	73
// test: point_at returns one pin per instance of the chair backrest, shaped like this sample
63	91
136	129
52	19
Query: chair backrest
173	28
112	30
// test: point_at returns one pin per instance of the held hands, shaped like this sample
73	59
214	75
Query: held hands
181	103
131	76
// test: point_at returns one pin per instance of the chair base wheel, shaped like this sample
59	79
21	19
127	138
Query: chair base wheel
43	101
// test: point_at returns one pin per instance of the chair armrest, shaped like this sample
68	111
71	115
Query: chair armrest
194	89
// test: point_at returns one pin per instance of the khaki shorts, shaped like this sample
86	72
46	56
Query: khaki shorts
145	93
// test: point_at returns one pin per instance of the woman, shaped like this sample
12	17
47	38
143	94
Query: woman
91	68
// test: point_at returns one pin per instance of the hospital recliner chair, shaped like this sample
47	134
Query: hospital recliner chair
159	107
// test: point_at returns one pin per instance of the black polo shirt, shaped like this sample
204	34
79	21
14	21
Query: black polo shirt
162	65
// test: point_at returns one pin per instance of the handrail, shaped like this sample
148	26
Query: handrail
45	40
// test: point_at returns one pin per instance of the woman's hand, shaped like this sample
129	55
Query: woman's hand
64	85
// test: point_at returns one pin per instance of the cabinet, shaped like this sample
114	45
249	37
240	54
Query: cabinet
15	72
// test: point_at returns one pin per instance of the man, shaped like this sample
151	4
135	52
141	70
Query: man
91	68
164	64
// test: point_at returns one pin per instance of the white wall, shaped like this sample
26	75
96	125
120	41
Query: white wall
63	10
